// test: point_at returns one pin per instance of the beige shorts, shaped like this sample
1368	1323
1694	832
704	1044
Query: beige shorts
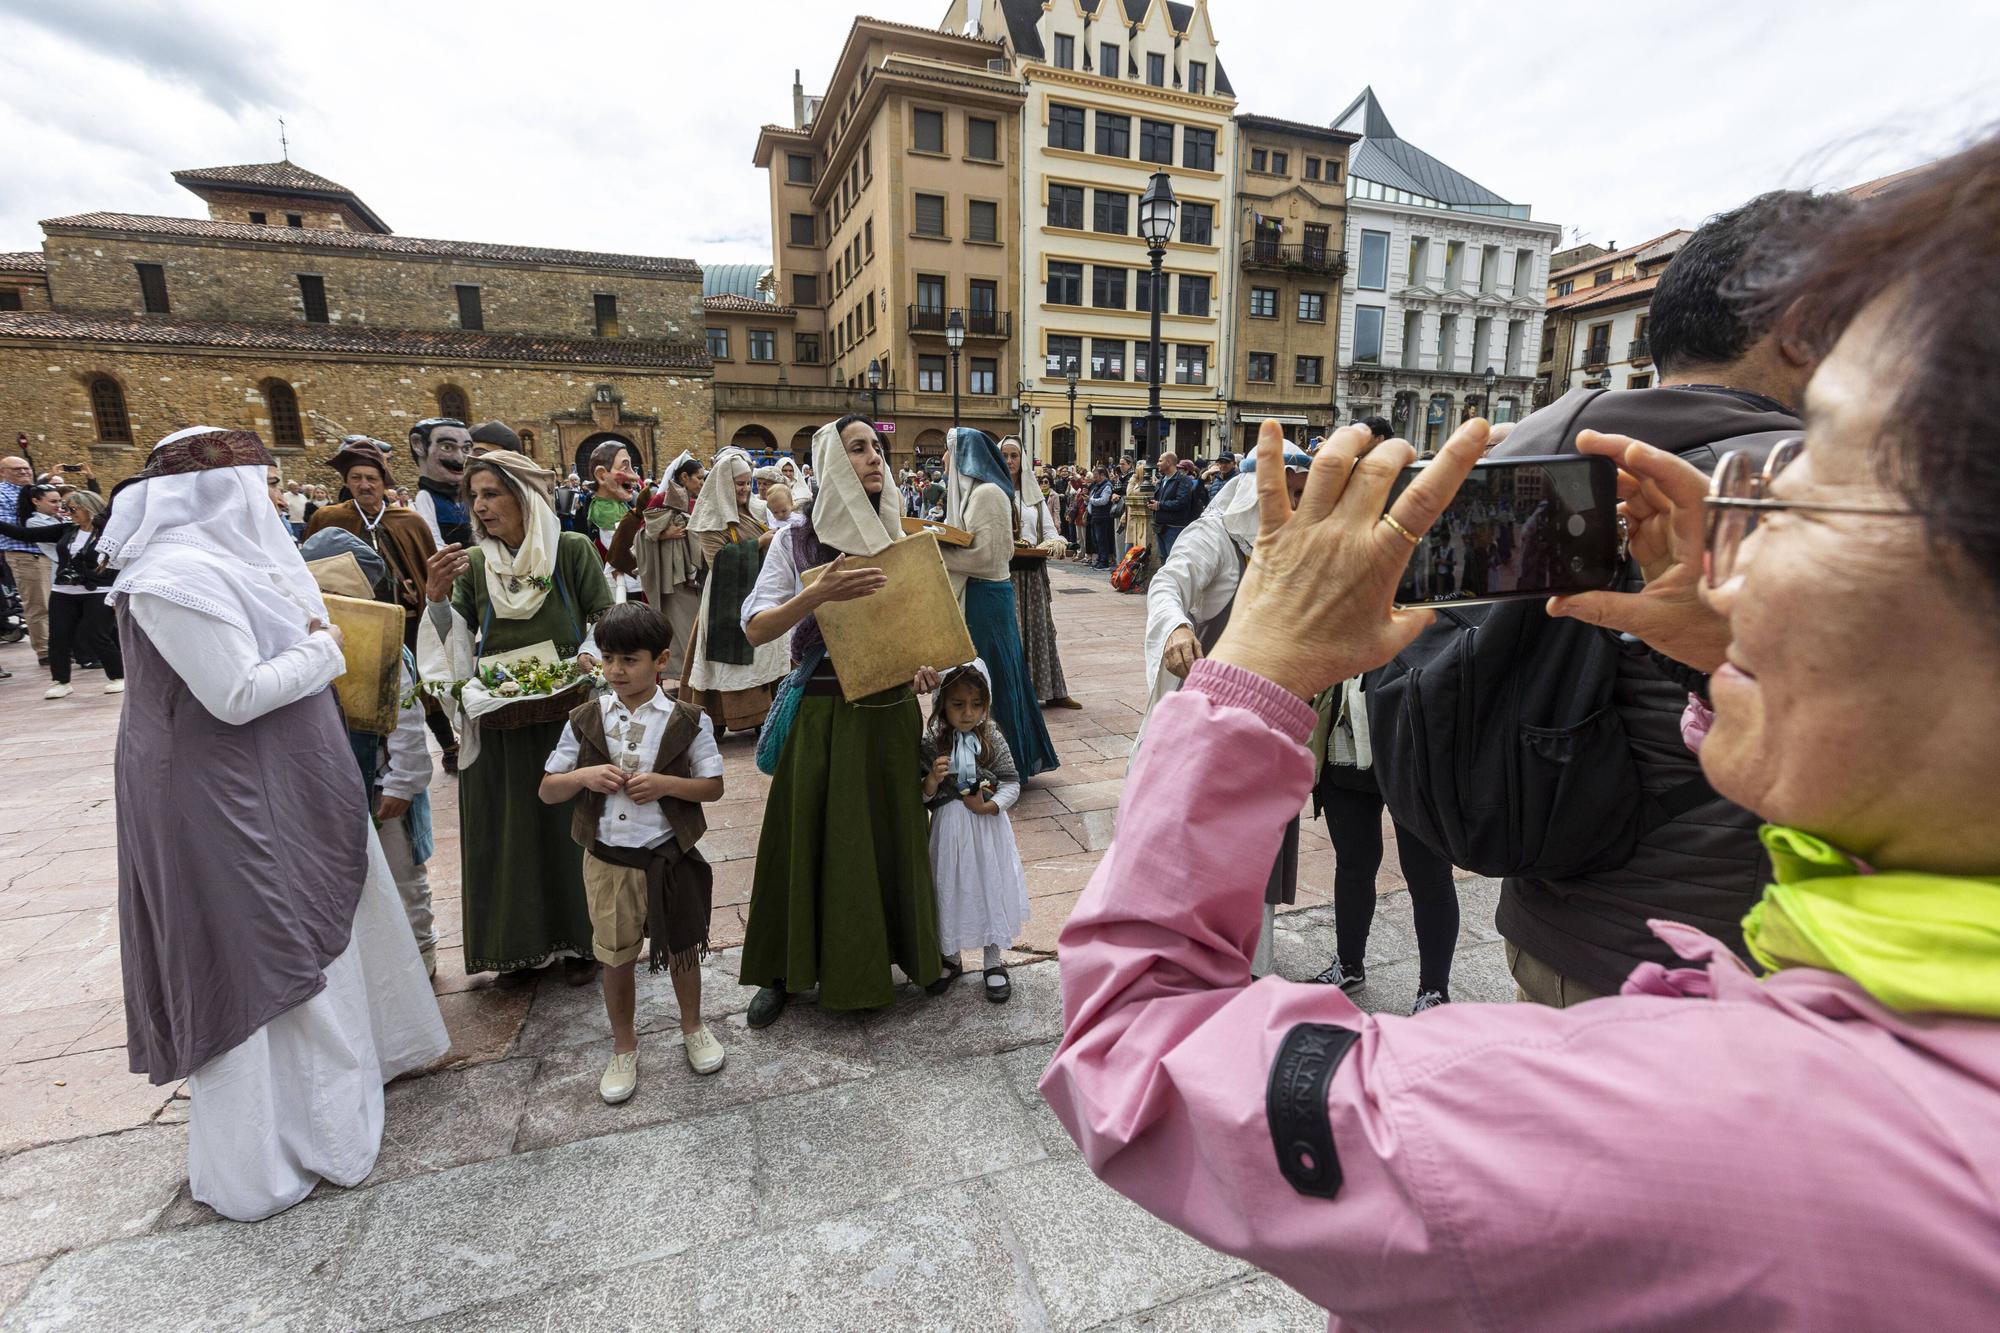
617	898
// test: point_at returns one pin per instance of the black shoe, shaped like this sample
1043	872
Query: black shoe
451	761
998	991
952	971
41	660
579	971
1430	999
768	1004
1348	979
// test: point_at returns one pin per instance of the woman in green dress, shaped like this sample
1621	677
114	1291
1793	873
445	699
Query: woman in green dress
843	883
526	582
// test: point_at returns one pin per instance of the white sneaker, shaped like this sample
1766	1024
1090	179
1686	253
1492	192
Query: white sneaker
115	687
57	692
621	1078
704	1052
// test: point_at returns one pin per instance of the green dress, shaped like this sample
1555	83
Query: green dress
843	881
521	874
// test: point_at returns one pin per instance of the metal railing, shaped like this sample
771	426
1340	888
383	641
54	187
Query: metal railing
1640	350
1597	354
1307	258
978	323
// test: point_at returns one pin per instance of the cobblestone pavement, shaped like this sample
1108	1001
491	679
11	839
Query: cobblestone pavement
887	1171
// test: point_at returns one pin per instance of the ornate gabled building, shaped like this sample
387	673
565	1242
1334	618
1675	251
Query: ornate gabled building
293	310
1445	280
1595	337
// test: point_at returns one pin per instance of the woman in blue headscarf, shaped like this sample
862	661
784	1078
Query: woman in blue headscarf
979	497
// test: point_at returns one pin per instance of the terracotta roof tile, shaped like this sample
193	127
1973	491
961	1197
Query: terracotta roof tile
1611	256
272	175
1624	289
731	302
313	238
444	344
24	261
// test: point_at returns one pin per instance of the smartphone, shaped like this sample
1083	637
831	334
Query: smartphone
1518	528
72	467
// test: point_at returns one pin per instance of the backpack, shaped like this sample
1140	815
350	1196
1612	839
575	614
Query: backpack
1130	575
1497	742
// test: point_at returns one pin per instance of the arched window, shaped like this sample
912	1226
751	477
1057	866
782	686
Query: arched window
107	405
452	403
283	406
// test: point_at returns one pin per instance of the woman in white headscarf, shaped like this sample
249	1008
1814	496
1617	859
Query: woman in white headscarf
265	953
653	540
843	885
728	676
1035	526
979	498
526	583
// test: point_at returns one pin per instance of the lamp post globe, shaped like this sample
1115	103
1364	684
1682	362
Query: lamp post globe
954	337
1157	207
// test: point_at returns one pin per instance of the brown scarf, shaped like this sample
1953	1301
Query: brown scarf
680	891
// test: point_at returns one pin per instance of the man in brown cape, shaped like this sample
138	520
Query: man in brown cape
400	535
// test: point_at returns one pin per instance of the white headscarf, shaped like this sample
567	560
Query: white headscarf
511	576
843	516
1235	505
715	509
212	541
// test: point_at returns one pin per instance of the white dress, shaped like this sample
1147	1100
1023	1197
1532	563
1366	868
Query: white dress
982	889
301	1097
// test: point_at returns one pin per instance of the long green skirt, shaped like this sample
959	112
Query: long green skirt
843	885
521	872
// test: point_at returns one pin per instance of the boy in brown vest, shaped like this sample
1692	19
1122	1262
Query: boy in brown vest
640	766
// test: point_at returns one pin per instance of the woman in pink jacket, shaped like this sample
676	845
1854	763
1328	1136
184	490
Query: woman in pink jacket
1817	1147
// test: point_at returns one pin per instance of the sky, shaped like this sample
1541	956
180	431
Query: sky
628	125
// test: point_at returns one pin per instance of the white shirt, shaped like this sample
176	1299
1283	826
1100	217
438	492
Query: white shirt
295	507
222	668
778	581
409	771
634	738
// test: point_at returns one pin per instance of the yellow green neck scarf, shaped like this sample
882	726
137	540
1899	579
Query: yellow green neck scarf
1918	943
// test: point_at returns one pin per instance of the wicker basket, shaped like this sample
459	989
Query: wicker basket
536	709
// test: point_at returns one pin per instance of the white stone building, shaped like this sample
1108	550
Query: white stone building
1445	279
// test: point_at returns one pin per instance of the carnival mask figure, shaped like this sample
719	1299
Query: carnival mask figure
441	446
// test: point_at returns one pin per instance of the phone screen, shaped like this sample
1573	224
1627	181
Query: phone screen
1519	527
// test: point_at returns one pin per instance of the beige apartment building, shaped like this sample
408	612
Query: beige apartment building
1290	257
1115	91
894	196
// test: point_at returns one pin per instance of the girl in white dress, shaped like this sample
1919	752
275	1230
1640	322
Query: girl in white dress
970	783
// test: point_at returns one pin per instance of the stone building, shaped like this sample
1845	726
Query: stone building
294	311
1116	91
1445	279
893	202
1290	256
1595	336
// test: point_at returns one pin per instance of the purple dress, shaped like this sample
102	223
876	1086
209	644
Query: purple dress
241	855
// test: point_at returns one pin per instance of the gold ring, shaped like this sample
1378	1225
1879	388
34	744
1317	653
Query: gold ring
1401	531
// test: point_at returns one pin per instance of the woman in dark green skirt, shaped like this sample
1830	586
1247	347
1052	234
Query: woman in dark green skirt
843	884
527	582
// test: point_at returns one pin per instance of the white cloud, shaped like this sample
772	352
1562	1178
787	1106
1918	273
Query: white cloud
629	126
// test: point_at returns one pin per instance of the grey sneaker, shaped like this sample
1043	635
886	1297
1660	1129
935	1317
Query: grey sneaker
1337	975
1430	999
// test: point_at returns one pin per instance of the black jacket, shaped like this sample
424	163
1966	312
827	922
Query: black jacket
1176	498
1706	867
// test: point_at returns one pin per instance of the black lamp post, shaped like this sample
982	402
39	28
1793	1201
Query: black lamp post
1069	374
875	386
1492	378
954	336
1156	224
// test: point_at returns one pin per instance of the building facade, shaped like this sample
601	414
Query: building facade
1595	337
1445	280
1290	253
1117	90
293	311
894	202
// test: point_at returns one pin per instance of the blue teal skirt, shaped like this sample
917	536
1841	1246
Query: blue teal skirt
996	634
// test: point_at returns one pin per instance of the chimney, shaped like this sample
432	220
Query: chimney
798	102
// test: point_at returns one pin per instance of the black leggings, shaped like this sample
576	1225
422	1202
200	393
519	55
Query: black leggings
1354	821
80	624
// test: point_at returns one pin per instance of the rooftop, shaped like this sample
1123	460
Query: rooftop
448	344
1667	240
23	261
1611	293
745	305
277	178
1023	15
1320	132
313	238
1396	164
734	279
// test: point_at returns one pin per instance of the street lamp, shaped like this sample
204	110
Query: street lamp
954	337
875	386
1156	224
1069	374
1492	378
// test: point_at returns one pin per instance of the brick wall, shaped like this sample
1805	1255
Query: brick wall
44	394
216	280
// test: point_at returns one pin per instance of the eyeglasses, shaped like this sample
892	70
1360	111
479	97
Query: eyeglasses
1739	492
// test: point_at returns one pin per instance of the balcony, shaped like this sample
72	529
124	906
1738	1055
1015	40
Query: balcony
978	323
1640	351
1596	356
1294	258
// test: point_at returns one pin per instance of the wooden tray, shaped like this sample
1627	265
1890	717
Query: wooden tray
371	689
944	532
1030	553
878	642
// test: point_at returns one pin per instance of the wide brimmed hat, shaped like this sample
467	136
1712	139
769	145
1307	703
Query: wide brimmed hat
360	450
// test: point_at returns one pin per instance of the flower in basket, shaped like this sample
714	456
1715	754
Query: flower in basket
508	688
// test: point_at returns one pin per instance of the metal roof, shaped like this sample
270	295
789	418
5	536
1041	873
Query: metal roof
735	280
1384	158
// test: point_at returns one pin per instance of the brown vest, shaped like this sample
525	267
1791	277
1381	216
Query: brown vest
684	817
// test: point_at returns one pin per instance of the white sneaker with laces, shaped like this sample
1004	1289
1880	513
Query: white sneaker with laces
704	1052
57	692
621	1078
115	687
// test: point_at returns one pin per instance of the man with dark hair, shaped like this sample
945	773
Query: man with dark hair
399	536
1730	379
1379	427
